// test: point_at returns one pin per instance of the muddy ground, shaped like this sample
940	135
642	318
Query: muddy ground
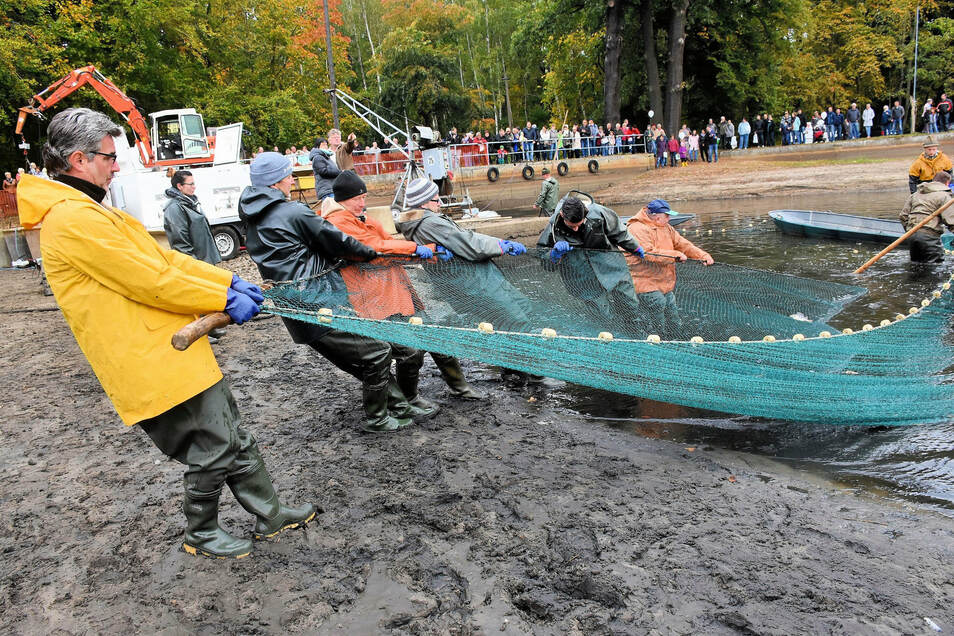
506	516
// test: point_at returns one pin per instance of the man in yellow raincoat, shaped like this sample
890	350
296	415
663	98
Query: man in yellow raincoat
124	296
928	164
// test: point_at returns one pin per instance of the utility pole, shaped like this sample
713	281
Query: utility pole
914	90
331	68
506	81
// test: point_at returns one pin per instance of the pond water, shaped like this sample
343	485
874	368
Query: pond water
914	463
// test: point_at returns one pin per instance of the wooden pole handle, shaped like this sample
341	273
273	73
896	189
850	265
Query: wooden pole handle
183	339
903	237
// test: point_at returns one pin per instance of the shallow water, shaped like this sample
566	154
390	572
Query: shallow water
914	463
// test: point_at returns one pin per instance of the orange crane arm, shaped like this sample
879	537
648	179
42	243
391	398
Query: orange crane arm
117	99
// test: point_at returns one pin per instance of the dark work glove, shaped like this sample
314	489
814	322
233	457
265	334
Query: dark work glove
513	248
423	251
252	291
239	307
443	253
559	251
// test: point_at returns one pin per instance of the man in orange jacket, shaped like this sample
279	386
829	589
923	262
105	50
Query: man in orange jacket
387	291
655	275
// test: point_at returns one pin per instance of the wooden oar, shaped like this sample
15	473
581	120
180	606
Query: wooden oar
903	237
183	339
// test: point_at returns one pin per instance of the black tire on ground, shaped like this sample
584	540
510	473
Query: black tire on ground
227	241
527	172
562	168
593	166
492	174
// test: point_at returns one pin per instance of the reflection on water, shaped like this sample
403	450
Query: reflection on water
914	463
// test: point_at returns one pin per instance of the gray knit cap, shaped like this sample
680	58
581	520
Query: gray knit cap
420	191
268	168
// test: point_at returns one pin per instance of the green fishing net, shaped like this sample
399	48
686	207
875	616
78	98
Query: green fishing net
704	345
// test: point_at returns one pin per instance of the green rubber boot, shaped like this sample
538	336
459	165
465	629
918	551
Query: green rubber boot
378	418
400	405
257	495
203	536
453	376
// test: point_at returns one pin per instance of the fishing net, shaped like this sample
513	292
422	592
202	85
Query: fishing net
703	345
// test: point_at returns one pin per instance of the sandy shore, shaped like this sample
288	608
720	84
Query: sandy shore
507	516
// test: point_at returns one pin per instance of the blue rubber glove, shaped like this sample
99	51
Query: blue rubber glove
443	253
559	250
513	248
639	251
252	291
423	251
239	307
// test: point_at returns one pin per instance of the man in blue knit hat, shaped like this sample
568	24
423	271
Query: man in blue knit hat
289	242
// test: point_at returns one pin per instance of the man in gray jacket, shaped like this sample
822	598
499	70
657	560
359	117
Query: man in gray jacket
187	229
549	194
474	292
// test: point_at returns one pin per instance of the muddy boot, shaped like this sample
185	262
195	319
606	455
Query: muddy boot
203	535
257	495
400	406
454	377
376	410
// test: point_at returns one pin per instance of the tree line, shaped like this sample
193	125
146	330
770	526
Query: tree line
474	64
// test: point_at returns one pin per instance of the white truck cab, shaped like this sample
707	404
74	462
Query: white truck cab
141	192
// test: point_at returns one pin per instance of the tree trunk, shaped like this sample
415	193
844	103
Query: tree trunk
652	66
614	47
677	49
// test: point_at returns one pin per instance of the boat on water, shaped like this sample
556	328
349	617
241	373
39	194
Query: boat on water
844	227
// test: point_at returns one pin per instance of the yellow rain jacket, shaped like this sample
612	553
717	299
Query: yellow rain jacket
124	296
924	169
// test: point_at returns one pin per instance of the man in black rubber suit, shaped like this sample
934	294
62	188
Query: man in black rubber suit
289	242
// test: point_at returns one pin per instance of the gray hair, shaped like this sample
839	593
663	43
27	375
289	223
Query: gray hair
75	129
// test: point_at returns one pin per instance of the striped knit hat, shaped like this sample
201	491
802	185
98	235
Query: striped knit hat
420	191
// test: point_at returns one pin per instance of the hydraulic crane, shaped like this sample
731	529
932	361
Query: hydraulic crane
187	133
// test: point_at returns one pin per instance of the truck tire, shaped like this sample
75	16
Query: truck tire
562	168
227	241
593	166
527	172
493	174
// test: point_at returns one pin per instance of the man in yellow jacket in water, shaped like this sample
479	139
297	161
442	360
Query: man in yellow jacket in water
124	297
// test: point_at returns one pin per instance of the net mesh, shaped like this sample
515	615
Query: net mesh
701	345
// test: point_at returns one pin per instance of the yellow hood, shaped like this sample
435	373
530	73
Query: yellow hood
36	196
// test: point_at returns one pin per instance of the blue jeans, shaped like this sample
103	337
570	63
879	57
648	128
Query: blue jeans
853	130
832	133
868	130
743	142
693	154
801	135
713	153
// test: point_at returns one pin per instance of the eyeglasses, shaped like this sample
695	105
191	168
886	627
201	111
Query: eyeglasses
190	183
109	155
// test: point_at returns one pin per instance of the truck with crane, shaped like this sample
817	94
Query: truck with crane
175	140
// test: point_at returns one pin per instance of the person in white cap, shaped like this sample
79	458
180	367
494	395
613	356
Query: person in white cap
466	288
